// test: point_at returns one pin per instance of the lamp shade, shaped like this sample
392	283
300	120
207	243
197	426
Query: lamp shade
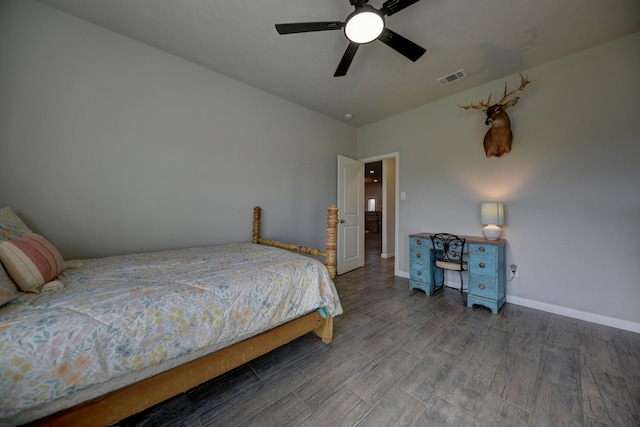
492	216
492	213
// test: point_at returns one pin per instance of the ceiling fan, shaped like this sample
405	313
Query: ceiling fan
363	26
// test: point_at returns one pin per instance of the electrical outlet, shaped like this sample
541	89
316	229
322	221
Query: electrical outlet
515	272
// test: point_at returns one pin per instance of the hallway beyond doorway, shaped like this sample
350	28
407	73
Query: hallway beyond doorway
372	247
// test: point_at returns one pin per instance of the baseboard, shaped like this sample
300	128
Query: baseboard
564	311
391	255
576	314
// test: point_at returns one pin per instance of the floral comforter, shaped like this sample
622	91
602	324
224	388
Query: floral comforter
121	314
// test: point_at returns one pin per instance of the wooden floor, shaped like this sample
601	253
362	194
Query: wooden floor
401	358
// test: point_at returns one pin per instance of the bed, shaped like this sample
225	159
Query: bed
113	336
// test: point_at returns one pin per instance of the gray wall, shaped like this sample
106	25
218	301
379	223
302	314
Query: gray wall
570	184
109	146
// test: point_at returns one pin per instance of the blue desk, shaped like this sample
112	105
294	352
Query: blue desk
487	269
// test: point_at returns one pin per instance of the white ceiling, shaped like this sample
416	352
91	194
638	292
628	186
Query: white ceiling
489	39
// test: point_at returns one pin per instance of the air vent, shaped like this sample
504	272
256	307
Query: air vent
445	80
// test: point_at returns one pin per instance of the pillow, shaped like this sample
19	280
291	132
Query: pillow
11	225
8	290
31	261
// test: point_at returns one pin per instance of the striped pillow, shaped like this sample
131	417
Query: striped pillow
31	261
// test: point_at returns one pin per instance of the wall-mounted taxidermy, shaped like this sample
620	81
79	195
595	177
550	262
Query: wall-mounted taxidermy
497	140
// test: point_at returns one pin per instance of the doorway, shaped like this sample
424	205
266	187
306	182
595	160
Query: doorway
381	204
373	216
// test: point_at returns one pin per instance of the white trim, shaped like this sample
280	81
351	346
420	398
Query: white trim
396	156
576	314
391	255
565	311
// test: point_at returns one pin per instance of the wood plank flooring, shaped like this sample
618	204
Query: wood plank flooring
402	358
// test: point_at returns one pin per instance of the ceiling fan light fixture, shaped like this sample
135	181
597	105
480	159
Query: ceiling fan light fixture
364	25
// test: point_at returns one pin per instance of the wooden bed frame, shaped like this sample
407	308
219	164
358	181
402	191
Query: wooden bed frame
137	397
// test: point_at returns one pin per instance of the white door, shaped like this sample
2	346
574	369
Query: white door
350	214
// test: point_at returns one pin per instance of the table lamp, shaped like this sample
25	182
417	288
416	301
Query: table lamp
491	216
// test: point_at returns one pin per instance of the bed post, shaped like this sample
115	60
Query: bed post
332	239
326	332
256	223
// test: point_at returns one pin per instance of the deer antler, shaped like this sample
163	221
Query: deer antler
524	81
484	106
481	106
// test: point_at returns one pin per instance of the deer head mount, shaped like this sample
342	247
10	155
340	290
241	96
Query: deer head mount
497	140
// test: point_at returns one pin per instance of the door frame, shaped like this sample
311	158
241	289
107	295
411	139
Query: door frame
396	156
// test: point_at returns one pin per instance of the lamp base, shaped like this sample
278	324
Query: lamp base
491	232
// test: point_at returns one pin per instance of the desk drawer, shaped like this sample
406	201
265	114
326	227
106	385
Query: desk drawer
483	286
421	257
418	273
482	265
418	244
479	249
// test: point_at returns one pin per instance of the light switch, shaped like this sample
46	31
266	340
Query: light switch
403	195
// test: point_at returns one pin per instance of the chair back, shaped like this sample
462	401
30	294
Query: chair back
448	247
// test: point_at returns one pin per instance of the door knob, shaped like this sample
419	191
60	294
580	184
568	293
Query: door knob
342	221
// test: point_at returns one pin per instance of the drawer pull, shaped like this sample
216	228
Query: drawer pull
419	273
481	265
418	242
481	248
481	287
418	255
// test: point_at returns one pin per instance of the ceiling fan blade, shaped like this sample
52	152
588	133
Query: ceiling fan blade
345	62
392	6
401	45
305	27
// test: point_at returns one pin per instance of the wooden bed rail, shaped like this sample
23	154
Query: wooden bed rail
332	238
120	404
